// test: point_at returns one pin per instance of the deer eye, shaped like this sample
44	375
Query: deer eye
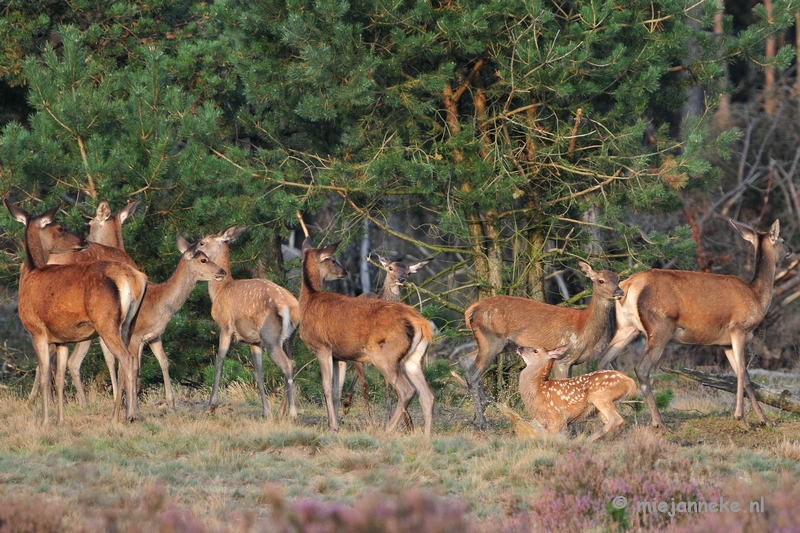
601	281
203	261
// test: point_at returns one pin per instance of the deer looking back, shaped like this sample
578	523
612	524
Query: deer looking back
500	320
392	336
559	402
698	308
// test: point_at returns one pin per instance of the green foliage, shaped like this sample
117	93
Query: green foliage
664	398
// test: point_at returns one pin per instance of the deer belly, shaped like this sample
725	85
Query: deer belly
700	335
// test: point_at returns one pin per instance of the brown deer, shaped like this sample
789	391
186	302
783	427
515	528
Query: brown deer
60	304
396	275
500	320
105	244
254	311
390	335
698	308
161	302
558	402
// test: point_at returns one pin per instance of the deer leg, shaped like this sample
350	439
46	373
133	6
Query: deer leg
258	373
738	341
285	364
36	389
62	352
339	369
288	347
74	364
42	349
128	374
325	359
622	338
111	364
413	367
224	345
475	364
612	420
157	347
405	392
656	342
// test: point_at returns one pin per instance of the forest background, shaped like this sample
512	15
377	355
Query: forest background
505	139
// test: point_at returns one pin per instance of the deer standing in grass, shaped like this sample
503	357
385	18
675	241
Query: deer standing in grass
500	320
61	304
254	311
557	403
396	275
390	335
161	302
698	308
105	244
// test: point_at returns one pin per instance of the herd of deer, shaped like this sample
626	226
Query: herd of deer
73	289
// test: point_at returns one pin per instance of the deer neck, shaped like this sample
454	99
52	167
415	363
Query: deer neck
390	292
311	281
764	277
35	254
223	261
597	314
534	377
174	292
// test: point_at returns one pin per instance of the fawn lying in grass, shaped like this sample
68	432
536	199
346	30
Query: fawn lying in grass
559	402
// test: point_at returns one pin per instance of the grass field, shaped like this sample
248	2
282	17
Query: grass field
191	470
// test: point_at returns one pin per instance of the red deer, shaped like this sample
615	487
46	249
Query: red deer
254	311
396	275
392	336
105	244
497	321
698	308
558	402
60	304
161	302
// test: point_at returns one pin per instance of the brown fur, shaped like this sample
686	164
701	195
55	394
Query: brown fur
698	308
558	402
254	311
60	304
392	336
500	320
105	244
396	275
161	302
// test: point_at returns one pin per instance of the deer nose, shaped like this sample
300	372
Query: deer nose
619	293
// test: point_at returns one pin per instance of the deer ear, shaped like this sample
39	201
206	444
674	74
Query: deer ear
587	270
413	268
127	211
103	211
746	232
19	214
49	216
384	262
232	233
307	244
329	250
775	231
183	244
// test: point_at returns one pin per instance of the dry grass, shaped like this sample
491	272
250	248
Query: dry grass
222	469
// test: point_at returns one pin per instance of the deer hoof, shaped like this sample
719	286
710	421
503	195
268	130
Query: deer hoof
743	423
